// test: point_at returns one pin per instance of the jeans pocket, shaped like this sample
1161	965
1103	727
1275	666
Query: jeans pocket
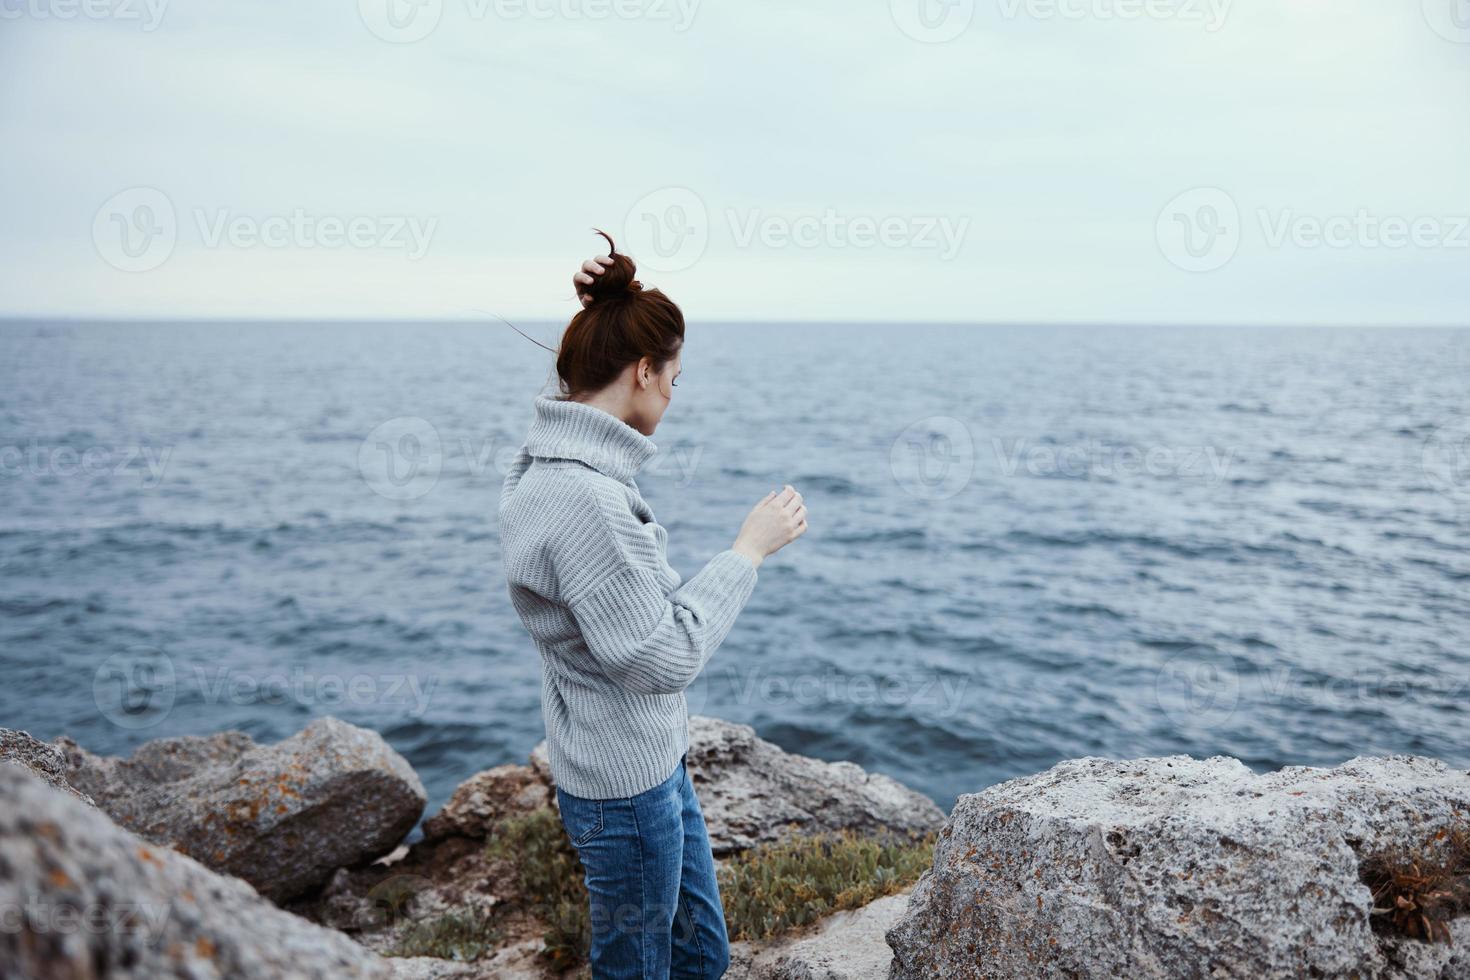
581	818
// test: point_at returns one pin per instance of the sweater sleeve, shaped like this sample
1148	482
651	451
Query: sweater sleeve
649	641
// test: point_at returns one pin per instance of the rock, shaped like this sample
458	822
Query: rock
284	817
90	900
843	946
753	792
1179	867
487	797
45	761
447	870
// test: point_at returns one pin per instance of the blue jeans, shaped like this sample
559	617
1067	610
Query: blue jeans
655	903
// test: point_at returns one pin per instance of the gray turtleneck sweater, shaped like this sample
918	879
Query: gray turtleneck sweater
621	635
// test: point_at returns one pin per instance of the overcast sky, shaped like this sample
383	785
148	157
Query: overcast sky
1189	161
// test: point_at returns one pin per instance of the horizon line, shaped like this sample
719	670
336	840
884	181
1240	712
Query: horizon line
8	319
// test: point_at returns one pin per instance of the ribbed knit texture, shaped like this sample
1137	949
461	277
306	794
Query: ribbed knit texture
621	635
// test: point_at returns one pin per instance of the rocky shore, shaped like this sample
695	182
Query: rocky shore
217	857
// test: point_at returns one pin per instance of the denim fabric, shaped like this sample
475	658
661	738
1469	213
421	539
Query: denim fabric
655	903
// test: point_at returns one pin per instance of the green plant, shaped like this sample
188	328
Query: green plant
464	935
775	887
549	880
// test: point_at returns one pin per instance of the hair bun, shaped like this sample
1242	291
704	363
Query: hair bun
616	282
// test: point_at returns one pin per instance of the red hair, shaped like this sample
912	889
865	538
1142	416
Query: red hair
623	324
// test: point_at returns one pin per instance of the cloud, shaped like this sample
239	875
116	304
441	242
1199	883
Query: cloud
1053	131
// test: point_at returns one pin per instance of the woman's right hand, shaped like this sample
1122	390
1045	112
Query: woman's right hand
586	276
774	523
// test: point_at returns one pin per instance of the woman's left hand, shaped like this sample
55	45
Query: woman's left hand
594	266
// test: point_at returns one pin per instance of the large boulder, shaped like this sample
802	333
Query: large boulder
88	900
1179	867
752	792
35	756
284	817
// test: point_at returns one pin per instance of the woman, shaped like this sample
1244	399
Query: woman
621	635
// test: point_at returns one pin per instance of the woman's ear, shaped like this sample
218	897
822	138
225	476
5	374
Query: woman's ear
645	372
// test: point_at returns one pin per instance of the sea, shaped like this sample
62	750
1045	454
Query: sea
1026	544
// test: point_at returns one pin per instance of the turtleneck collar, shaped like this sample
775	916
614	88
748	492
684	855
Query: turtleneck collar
566	429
